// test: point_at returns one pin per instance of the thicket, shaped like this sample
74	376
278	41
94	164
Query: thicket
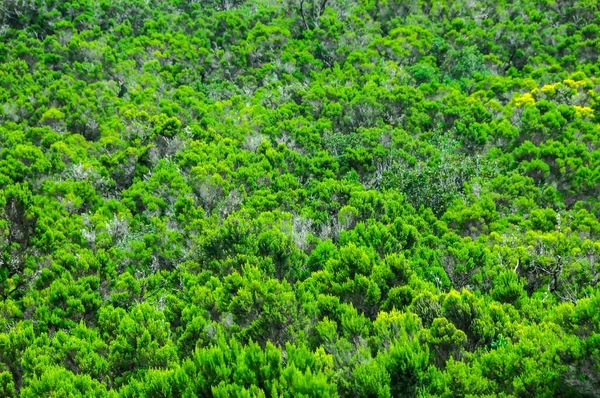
299	198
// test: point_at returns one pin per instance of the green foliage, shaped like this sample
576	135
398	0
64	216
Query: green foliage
299	199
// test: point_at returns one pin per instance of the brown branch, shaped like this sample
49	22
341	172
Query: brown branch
302	13
322	7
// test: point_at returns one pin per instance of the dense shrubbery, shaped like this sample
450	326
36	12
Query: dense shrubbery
299	198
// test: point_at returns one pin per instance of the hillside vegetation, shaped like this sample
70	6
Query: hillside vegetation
299	198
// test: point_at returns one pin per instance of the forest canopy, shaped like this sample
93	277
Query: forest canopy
299	198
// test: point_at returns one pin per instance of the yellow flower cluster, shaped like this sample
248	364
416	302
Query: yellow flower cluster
524	100
583	111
